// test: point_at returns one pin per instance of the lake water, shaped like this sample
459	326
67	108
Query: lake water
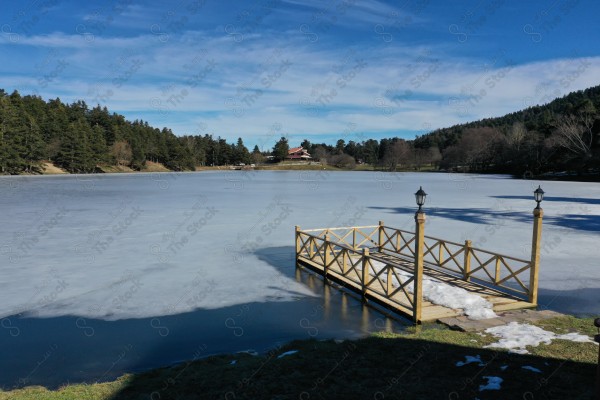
101	275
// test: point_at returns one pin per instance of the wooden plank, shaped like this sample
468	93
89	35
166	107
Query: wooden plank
435	312
515	306
499	300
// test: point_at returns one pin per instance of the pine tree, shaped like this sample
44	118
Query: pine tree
281	149
242	155
75	154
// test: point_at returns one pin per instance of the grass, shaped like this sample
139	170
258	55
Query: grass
98	391
114	169
418	364
155	167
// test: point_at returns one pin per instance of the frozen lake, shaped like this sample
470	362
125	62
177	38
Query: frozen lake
111	273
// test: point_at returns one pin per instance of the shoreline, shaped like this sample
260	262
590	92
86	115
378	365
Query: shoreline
368	366
49	169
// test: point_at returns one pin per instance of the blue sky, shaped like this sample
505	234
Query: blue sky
322	70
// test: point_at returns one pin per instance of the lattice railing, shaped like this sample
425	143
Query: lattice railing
331	251
511	274
508	274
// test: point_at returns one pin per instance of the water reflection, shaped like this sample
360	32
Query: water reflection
347	306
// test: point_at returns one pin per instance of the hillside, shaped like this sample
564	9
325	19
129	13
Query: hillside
561	138
78	139
560	135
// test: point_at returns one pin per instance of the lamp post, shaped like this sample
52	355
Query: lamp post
538	195
536	244
597	339
420	196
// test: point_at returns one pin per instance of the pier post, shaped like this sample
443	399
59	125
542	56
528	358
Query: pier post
467	261
381	236
365	270
327	256
298	243
536	244
597	339
418	283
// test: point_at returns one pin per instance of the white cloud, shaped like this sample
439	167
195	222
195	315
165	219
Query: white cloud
241	89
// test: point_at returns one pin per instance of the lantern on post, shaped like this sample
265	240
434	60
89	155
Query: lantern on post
597	339
536	245
538	195
420	196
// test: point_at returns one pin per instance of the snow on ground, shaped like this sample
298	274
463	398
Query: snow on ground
443	294
470	360
287	353
515	337
530	368
493	383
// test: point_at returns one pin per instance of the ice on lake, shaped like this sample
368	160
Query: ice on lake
132	246
154	247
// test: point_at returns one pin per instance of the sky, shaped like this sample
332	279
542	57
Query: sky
304	69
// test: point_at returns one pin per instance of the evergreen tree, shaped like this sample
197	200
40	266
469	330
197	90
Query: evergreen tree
98	144
242	155
281	149
75	154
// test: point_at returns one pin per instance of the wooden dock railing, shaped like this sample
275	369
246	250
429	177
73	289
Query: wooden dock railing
377	259
372	275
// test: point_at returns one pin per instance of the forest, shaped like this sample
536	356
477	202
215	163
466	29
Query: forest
561	137
557	139
79	139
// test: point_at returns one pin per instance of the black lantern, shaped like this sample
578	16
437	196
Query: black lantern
538	196
420	197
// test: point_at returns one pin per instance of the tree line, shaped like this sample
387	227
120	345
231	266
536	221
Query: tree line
80	139
563	135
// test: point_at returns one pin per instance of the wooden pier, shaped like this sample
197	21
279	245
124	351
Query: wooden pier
386	265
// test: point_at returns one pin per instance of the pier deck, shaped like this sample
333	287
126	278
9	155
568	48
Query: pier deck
380	263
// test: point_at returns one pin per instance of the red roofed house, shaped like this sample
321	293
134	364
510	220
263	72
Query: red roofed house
298	153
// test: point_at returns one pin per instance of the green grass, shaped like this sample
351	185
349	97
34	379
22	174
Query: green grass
418	364
99	391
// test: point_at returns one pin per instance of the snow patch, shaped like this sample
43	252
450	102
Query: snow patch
470	360
443	294
493	383
530	368
249	352
515	337
287	353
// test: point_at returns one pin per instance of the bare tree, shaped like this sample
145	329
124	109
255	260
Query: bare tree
574	133
121	151
320	154
342	161
434	156
517	135
396	154
478	148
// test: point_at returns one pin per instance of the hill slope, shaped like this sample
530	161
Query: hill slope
560	135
